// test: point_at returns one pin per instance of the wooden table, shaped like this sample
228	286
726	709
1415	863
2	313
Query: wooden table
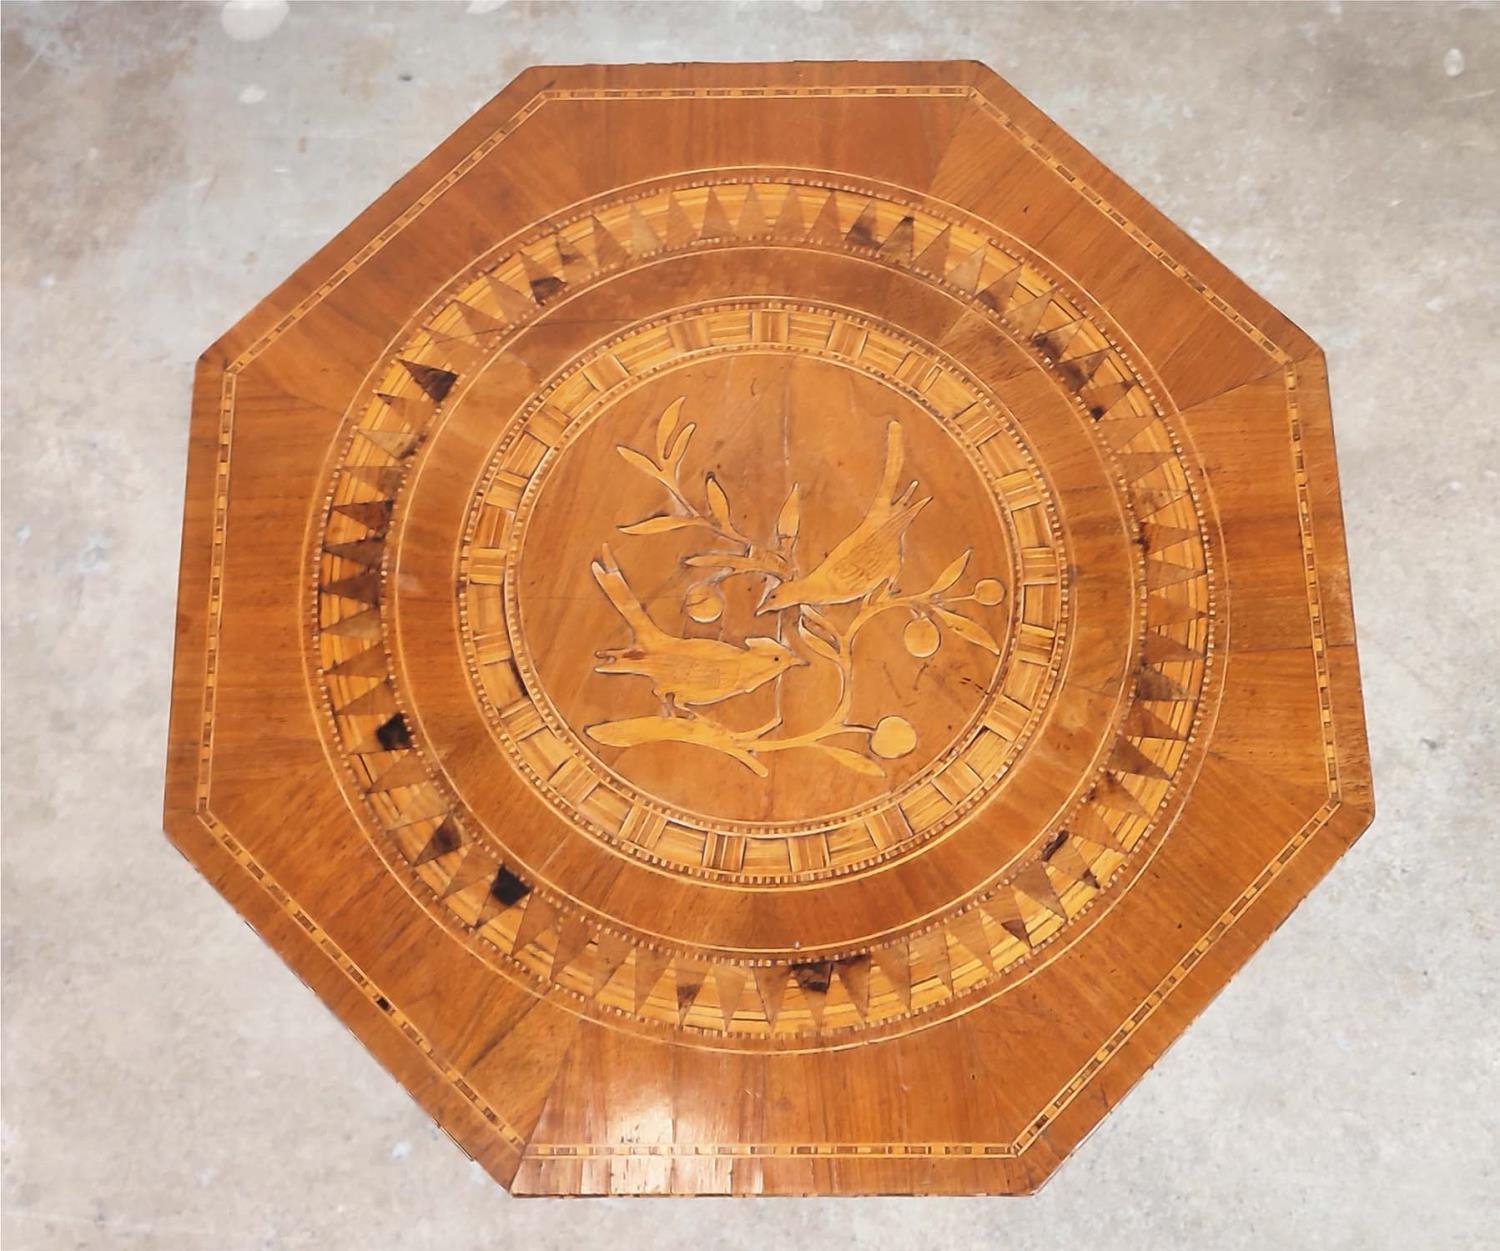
764	629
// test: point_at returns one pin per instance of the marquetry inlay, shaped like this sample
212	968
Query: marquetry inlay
770	610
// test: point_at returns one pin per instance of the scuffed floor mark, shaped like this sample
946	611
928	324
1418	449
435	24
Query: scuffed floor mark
134	147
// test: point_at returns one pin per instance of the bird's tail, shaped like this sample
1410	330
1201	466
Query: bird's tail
895	453
612	582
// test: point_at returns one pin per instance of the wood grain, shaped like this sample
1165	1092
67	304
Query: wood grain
764	629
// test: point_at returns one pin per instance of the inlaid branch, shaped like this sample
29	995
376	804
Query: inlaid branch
862	569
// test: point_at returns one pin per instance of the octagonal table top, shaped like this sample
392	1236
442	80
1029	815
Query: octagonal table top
764	629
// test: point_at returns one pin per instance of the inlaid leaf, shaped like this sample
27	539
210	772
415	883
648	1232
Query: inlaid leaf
662	523
666	425
718	502
679	445
951	574
809	613
638	461
817	644
723	560
789	519
969	631
853	760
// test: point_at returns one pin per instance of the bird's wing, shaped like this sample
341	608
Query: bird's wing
875	554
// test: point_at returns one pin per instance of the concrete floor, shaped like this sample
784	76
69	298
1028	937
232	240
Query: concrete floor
168	1084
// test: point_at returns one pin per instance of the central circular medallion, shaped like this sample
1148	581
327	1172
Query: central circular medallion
791	581
794	579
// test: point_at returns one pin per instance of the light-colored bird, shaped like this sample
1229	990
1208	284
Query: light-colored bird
868	556
684	671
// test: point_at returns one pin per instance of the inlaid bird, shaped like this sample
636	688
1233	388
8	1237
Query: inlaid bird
684	671
870	554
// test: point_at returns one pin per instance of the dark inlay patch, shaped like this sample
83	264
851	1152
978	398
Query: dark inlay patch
435	382
508	888
545	286
394	734
814	975
444	839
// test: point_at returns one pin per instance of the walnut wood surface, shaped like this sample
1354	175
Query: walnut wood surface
764	629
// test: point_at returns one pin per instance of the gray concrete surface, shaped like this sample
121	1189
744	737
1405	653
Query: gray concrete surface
168	1084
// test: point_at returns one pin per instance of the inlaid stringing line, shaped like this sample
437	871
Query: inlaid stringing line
215	589
1314	593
